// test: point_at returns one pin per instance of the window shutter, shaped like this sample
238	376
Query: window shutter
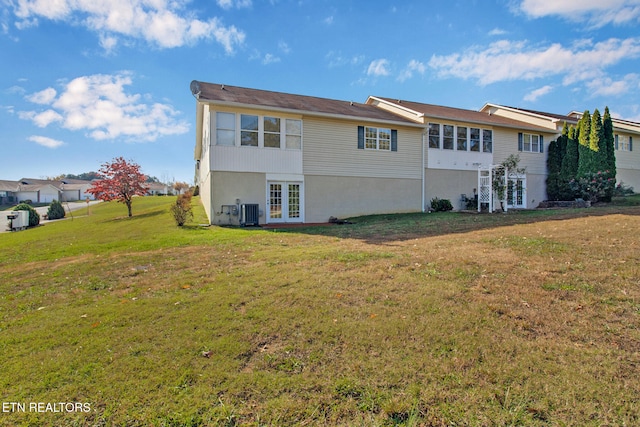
361	137
541	144
630	143
520	141
616	142
394	140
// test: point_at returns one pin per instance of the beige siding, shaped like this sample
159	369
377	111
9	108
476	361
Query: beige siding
522	116
506	143
449	184
231	186
330	147
344	197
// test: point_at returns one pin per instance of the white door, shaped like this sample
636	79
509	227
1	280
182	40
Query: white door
284	202
516	191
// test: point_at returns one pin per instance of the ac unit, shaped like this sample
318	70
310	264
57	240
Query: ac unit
249	214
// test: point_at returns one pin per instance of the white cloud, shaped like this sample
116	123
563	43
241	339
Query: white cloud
497	32
43	97
158	22
328	20
100	105
596	12
507	60
284	47
534	95
228	4
45	141
270	59
414	66
606	86
378	67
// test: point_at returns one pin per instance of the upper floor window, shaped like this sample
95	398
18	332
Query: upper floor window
257	131
530	143
487	141
624	143
460	138
377	138
225	129
434	135
372	138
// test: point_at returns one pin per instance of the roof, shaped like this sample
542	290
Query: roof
255	98
462	115
9	185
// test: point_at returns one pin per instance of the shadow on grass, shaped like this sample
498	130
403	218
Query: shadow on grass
137	216
381	229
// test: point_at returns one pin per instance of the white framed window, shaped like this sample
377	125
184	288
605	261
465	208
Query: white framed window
624	143
271	128
225	129
249	130
447	137
377	138
434	135
462	138
530	143
293	132
474	139
487	141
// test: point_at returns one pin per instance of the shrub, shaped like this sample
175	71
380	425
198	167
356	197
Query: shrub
441	205
623	190
593	186
34	217
56	210
181	210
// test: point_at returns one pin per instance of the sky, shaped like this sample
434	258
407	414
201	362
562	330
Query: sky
85	81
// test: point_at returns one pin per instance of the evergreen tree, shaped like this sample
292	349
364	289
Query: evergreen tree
554	161
597	144
569	168
584	151
609	142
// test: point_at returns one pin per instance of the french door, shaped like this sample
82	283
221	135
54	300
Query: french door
284	201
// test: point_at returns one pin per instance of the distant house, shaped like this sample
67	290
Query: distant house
157	189
299	159
44	191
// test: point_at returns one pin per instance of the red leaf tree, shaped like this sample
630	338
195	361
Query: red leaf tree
121	180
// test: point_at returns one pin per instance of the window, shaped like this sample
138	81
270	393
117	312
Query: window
487	141
293	134
434	135
447	137
624	143
225	129
474	134
377	138
462	139
272	132
248	130
530	143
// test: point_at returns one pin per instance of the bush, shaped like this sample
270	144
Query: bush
34	217
56	210
594	186
181	210
622	190
441	205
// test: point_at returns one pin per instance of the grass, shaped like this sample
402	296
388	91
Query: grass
528	318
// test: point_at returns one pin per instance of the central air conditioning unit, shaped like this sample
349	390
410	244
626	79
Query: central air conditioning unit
249	214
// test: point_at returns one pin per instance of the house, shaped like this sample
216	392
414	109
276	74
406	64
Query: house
157	189
44	191
268	157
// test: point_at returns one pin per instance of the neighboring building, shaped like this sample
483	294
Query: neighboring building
303	159
157	189
44	191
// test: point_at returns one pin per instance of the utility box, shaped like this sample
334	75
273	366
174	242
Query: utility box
18	220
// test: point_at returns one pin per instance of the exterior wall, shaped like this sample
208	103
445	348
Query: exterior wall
628	163
227	187
449	184
27	195
330	148
344	197
522	116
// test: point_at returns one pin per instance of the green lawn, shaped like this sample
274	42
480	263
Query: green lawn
526	318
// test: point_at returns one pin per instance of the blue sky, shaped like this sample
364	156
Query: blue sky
84	81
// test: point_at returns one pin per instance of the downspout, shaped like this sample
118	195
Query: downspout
423	173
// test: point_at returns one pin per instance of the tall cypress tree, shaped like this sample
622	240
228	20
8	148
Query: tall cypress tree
584	151
554	164
569	169
609	142
597	144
